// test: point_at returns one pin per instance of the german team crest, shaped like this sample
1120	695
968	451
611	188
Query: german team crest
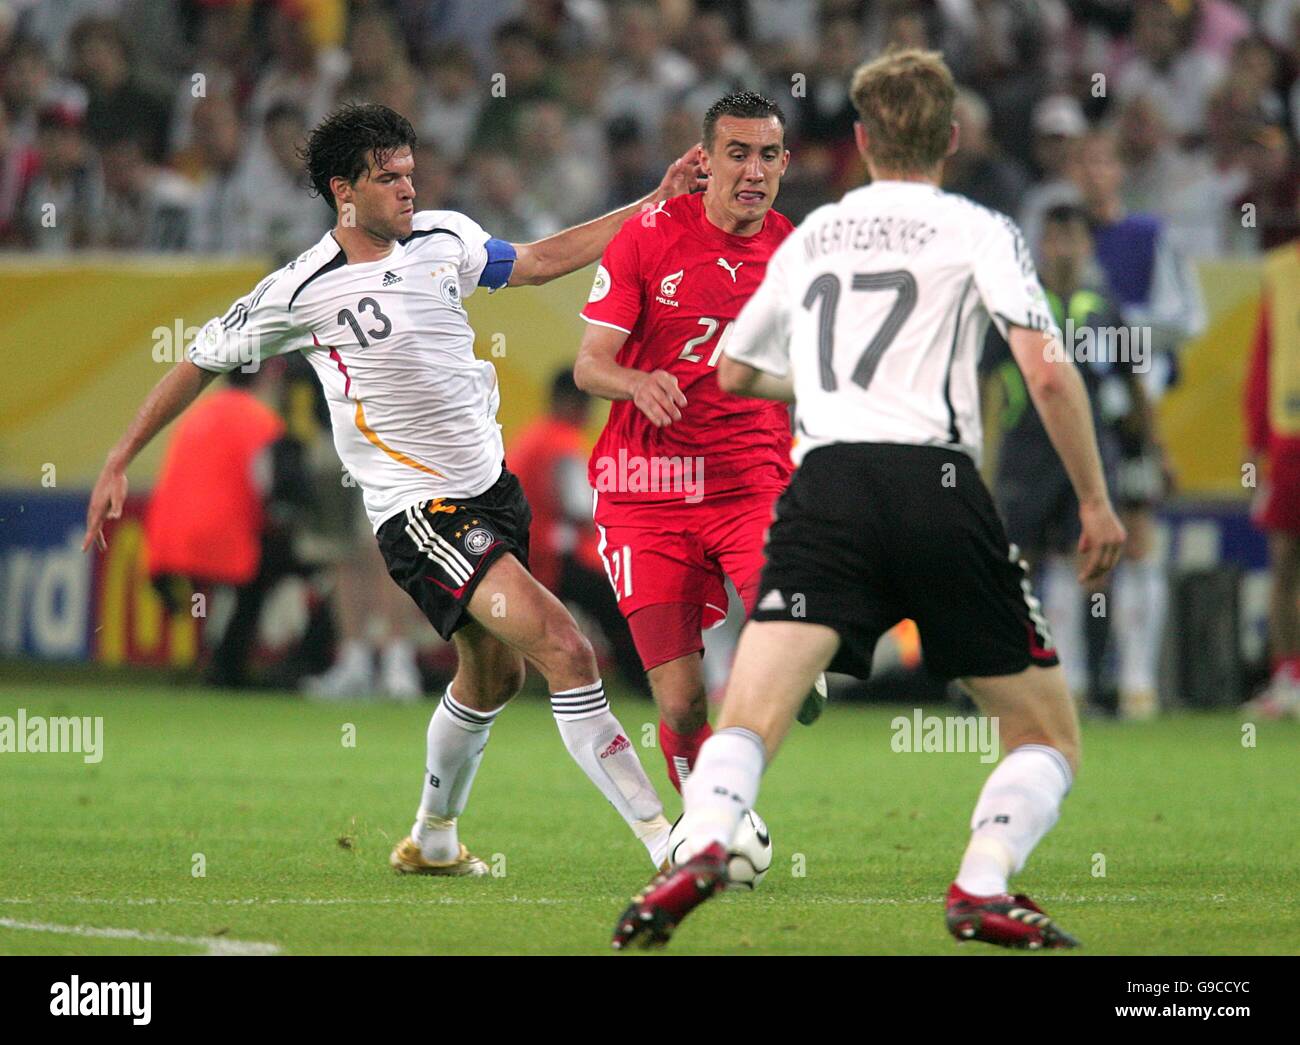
477	541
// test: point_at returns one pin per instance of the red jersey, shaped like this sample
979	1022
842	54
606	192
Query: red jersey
533	457
674	282
204	518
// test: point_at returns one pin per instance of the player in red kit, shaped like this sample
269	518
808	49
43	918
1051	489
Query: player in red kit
686	475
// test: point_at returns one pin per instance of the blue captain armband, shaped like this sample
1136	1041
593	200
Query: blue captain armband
500	263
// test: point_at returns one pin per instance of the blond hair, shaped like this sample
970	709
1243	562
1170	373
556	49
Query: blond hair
905	101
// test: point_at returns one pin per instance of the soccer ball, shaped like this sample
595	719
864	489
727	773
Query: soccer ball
751	851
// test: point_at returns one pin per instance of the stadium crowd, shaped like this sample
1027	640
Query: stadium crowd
161	125
1126	138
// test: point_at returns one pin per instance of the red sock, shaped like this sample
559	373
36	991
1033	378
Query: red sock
1287	667
680	751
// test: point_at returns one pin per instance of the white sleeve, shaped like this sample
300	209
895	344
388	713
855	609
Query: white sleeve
1005	278
473	238
256	327
760	337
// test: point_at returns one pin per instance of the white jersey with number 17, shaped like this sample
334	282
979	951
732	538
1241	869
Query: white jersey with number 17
877	307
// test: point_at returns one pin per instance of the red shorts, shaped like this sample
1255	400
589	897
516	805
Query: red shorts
1277	506
678	552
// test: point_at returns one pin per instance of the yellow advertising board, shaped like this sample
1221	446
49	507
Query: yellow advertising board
85	341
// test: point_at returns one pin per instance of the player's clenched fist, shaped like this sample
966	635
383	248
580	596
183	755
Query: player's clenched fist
657	395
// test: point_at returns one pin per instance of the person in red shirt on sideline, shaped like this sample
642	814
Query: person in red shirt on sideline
1272	409
550	458
206	520
685	475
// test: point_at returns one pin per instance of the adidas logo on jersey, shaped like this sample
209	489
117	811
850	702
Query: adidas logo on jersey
773	600
390	278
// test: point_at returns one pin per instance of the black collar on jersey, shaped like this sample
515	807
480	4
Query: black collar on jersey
338	261
426	232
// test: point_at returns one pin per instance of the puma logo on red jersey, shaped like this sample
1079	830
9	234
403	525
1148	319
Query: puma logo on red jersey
730	268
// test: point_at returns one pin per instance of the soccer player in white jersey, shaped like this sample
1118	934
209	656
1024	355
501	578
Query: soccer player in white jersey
377	307
870	318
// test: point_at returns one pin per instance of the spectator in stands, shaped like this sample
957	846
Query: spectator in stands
582	90
279	219
119	103
977	170
63	199
221	67
565	182
434	180
1058	126
720	64
565	28
500	201
453	103
18	165
524	78
1270	192
822	112
1179	185
30	85
215	223
1257	66
1163	61
375	52
299	71
646	75
632	171
1272	411
145	206
550	457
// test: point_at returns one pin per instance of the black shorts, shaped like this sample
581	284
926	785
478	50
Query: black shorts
438	551
871	533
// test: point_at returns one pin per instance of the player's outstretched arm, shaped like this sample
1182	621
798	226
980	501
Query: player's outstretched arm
577	247
744	380
169	397
1062	402
598	372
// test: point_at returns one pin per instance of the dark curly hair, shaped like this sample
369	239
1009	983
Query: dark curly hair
342	144
746	105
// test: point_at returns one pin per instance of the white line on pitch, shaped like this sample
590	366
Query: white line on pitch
213	944
402	901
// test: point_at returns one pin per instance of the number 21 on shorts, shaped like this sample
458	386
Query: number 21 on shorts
618	564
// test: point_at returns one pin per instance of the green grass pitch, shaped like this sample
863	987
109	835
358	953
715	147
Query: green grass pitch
1199	836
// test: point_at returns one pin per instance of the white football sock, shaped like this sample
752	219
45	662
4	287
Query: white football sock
1063	602
599	744
1019	804
457	738
723	785
1141	594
